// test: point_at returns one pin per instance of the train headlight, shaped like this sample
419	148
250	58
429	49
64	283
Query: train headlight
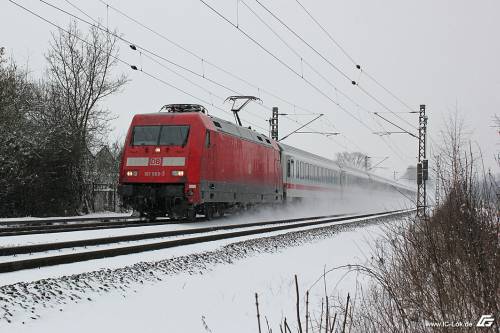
157	149
132	173
178	173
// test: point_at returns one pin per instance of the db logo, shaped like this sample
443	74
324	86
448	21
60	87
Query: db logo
155	161
485	321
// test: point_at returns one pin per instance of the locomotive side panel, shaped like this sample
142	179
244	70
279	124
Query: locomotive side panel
240	172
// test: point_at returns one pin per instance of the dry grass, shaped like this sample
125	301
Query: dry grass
443	269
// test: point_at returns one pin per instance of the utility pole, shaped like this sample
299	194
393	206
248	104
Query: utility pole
273	124
422	165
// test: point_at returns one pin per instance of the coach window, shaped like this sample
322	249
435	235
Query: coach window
293	169
288	168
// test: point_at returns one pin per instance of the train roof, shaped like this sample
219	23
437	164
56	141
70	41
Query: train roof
242	132
219	124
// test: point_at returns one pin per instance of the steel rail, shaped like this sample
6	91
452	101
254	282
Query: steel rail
43	221
39	229
30	230
106	253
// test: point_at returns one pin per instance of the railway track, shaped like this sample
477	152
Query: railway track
30	227
67	225
201	235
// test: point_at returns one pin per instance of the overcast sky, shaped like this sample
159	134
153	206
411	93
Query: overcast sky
440	53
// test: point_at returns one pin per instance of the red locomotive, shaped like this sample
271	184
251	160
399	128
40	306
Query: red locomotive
182	162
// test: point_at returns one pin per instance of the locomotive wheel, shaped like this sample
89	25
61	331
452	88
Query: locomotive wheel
191	214
209	212
220	211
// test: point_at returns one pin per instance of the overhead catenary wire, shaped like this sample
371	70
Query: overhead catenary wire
356	64
129	65
119	59
294	71
394	149
286	65
353	82
146	51
184	68
115	57
212	64
135	46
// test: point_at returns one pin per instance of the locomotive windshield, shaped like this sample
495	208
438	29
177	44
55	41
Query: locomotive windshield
164	135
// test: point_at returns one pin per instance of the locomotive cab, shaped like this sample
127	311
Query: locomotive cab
159	173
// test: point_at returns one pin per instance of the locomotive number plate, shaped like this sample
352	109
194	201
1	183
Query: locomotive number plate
155	161
154	173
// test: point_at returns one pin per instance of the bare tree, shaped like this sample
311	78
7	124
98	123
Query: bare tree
80	78
497	125
354	159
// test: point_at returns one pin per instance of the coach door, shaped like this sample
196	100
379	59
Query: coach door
343	182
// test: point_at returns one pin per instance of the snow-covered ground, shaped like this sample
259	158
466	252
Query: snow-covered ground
79	235
207	288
